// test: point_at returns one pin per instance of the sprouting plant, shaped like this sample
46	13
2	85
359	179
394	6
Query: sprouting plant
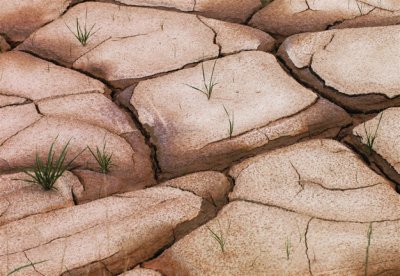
288	247
219	237
371	137
24	266
231	120
103	158
46	174
83	33
300	234
208	87
369	235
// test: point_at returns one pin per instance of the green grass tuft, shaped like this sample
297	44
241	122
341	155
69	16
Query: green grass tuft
371	136
369	235
288	247
83	33
231	121
46	173
219	237
208	86
103	158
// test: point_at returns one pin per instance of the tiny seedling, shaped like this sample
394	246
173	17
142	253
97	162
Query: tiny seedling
300	234
231	120
288	247
371	136
208	86
103	158
24	266
83	33
369	235
219	237
46	174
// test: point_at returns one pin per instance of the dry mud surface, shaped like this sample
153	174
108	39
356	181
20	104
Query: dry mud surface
244	137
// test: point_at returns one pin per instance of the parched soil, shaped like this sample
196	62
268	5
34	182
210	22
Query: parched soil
200	137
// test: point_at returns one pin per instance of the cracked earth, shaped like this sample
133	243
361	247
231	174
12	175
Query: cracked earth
273	174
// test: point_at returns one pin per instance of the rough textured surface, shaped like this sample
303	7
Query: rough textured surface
256	168
341	248
10	100
212	186
254	245
237	11
183	5
93	108
68	105
234	38
141	272
387	131
25	76
112	234
19	199
264	233
156	43
322	178
16	118
18	19
20	150
189	139
288	17
4	47
334	63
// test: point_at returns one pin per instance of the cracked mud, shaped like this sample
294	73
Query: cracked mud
243	137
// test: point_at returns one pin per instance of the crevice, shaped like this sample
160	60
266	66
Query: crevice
6	209
215	35
89	50
21	130
68	95
37	109
374	161
123	101
32	264
110	39
351	103
106	84
306	244
27	101
259	8
338	189
311	216
333	25
262	127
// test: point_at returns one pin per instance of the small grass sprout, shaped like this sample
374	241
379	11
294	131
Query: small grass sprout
104	159
288	247
208	86
371	136
24	266
46	173
231	120
219	237
369	235
82	32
